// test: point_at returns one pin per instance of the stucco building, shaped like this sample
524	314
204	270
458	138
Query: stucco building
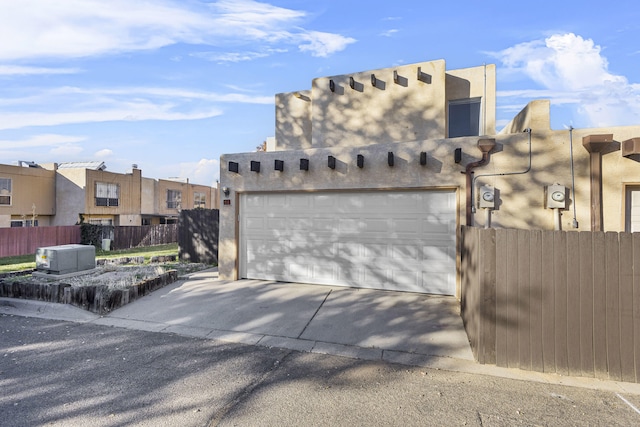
67	193
373	173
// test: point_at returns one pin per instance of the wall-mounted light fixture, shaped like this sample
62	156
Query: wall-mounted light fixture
352	83
424	77
233	167
374	81
360	161
423	158
390	158
304	164
279	165
331	162
255	166
226	191
457	155
332	85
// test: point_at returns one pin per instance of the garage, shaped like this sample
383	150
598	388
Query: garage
394	240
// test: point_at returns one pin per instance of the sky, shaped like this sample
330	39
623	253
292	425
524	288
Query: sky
170	85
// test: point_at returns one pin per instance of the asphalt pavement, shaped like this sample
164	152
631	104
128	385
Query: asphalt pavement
206	352
61	373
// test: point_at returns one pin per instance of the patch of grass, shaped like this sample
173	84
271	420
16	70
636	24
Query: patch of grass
24	262
147	252
17	263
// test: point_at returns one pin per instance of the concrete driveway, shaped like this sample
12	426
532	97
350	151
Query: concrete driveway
363	323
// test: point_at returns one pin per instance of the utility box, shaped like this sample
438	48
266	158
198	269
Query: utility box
65	259
556	196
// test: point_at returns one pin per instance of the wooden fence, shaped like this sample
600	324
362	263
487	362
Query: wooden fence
553	301
144	235
198	235
25	240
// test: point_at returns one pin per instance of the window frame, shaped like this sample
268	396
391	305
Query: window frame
107	202
199	200
5	196
465	101
174	202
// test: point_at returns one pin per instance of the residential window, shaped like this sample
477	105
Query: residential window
174	197
464	117
107	194
5	191
25	223
199	200
100	221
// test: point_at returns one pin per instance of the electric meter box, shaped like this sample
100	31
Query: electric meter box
65	259
556	196
486	197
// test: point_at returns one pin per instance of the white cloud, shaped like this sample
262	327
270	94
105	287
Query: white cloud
133	111
66	150
204	172
12	70
40	147
80	105
389	33
81	28
42	140
104	153
572	70
323	44
229	56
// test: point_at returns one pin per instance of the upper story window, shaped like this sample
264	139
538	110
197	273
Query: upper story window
5	191
199	200
174	199
464	117
107	194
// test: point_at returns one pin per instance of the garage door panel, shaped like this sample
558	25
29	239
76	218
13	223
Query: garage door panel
437	283
374	225
254	223
382	240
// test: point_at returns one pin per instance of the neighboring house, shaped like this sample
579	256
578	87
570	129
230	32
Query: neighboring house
67	193
374	172
27	195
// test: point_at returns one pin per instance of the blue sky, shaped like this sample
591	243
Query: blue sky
172	85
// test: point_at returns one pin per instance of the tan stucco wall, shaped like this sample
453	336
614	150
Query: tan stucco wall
29	187
293	120
520	195
617	172
409	110
535	115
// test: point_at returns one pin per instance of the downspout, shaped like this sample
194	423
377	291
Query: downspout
473	182
485	146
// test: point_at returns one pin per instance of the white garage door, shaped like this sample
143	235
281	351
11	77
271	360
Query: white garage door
383	240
